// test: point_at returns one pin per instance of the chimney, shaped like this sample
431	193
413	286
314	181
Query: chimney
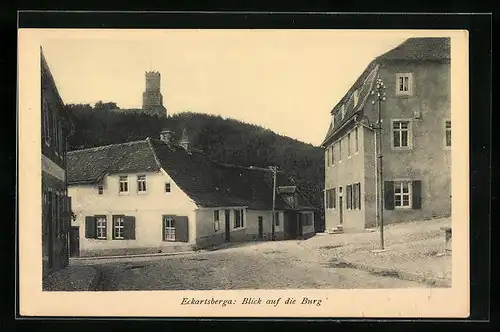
184	142
166	136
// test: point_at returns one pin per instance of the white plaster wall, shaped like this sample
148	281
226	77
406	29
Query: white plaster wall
148	209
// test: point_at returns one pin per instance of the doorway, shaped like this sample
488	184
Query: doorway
74	241
341	211
261	228
50	223
300	222
227	225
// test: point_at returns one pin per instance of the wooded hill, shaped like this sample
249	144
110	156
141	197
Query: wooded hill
225	140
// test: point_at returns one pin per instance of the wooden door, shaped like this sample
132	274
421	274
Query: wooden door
261	227
341	212
74	241
227	225
300	219
50	223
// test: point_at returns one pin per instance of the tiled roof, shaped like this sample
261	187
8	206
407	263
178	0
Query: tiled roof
90	165
428	48
412	49
208	183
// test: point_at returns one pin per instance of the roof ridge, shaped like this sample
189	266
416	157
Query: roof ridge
100	147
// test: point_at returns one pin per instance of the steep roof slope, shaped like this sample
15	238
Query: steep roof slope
208	183
412	49
90	165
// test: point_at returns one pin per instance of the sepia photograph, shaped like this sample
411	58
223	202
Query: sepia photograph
247	160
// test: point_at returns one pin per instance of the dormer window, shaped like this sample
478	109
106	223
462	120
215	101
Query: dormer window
343	111
356	98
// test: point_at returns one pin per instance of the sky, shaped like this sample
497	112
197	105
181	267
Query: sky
284	80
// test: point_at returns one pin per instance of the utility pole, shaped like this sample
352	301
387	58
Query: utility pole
380	96
273	169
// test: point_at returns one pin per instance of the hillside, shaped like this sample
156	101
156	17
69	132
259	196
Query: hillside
226	140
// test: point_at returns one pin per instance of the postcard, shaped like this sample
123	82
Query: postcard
243	173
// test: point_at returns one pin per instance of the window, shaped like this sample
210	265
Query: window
101	227
100	189
330	198
46	123
55	133
216	220
327	199
356	98
277	218
238	218
332	153
334	199
118	226
141	183
60	140
169	229
448	133
327	157
356	196
348	200
340	150
401	134
349	144
167	187
123	182
402	194
404	84
356	141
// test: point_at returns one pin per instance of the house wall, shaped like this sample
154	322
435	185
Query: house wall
207	236
253	224
345	171
55	206
147	208
370	179
429	160
308	230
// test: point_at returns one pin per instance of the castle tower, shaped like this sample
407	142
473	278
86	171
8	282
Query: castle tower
152	99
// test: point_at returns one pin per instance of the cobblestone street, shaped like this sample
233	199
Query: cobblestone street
266	265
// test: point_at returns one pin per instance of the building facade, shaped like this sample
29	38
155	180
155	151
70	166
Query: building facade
56	205
152	99
154	196
416	140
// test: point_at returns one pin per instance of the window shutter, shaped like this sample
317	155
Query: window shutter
359	195
90	227
181	229
129	228
389	195
416	194
163	222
